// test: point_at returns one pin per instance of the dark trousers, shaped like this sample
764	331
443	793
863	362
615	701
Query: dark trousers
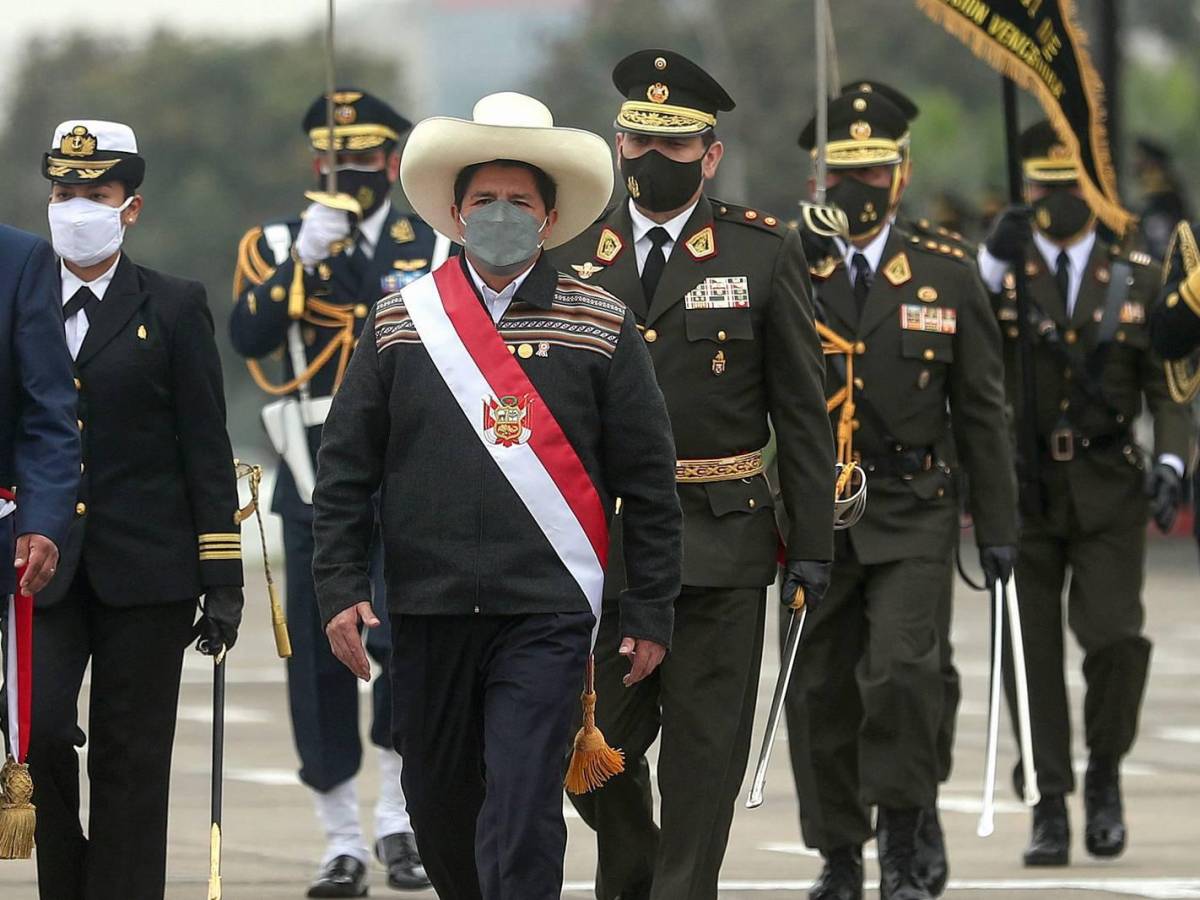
137	657
1105	613
951	686
323	693
702	698
864	706
482	716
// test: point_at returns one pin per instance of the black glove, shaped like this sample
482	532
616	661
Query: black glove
997	563
1166	495
1011	231
810	574
218	626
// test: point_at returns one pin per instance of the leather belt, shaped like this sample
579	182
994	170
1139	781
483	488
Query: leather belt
904	463
728	468
1064	444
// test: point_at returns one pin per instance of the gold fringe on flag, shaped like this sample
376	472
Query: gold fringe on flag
18	818
593	762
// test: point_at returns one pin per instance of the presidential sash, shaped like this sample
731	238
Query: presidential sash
512	421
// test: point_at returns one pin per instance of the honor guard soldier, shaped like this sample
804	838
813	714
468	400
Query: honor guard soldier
865	706
303	290
1084	498
721	297
154	529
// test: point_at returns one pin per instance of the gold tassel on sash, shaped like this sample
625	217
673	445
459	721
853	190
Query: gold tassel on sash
17	816
593	762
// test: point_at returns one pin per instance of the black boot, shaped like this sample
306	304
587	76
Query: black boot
842	877
896	835
1105	832
931	852
1050	844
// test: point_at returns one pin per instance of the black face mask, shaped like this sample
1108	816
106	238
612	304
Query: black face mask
1061	215
660	184
866	207
370	188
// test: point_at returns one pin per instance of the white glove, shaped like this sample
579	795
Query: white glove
320	226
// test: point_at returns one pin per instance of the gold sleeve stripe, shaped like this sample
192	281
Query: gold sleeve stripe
212	555
220	536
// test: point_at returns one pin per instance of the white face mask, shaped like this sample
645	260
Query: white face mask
84	231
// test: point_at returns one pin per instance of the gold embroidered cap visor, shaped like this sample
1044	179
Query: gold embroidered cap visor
1045	170
352	137
855	154
88	151
507	126
662	118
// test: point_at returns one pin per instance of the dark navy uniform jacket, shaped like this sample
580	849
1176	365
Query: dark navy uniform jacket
39	443
348	281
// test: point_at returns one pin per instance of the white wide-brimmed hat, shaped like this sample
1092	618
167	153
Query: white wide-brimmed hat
507	126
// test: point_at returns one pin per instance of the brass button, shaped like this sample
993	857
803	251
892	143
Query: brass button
751	215
858	384
941	492
1172	300
78	385
651	335
1013	332
80	509
1064	404
751	503
860	348
1120	337
722	336
79	424
771	220
278	292
855	424
928	354
1071	336
361	310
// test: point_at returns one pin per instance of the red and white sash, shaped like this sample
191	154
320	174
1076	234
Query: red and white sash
18	674
512	421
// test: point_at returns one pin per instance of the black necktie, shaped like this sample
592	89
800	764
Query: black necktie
83	299
1062	275
862	280
656	260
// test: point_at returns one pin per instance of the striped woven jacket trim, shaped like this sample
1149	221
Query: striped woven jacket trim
582	317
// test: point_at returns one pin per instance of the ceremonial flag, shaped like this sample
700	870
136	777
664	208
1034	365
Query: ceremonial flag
1038	44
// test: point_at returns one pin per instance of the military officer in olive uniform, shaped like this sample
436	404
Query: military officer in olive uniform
1085	515
721	295
303	290
866	701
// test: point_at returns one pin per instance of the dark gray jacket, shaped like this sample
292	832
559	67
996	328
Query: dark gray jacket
457	538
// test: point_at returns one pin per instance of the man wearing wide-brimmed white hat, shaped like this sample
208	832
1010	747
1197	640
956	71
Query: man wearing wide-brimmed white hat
500	408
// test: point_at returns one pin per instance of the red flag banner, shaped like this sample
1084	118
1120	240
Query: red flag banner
1039	45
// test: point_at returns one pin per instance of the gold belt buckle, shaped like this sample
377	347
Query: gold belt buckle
1062	445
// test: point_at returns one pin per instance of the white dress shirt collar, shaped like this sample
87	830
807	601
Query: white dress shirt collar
497	302
371	229
71	282
873	251
1078	254
641	229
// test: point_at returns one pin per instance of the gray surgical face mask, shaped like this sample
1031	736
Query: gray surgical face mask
501	237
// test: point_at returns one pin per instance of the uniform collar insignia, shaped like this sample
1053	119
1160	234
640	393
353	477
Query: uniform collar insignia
587	270
897	270
823	268
402	231
702	244
609	246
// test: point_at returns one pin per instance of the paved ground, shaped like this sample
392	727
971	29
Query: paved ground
272	841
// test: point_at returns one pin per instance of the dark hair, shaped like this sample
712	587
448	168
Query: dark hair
545	184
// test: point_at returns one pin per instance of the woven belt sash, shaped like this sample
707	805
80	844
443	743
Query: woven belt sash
729	468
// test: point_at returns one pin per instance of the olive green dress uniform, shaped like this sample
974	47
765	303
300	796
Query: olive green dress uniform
730	331
1093	523
864	715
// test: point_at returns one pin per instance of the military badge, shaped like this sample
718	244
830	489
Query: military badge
409	265
702	244
658	92
635	189
508	421
927	294
345	115
731	292
1133	314
78	142
822	269
609	246
861	131
394	281
543	350
897	270
402	231
1103	275
587	270
935	319
718	363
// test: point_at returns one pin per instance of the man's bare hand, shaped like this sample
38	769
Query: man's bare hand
345	637
39	555
644	656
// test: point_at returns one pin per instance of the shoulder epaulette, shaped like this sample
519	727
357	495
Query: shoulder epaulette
744	215
252	268
936	247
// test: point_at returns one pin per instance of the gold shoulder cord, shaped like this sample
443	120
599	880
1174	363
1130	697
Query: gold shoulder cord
283	644
851	482
1183	375
253	270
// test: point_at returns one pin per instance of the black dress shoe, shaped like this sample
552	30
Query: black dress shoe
342	876
896	836
1050	844
399	853
1105	832
931	852
842	877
